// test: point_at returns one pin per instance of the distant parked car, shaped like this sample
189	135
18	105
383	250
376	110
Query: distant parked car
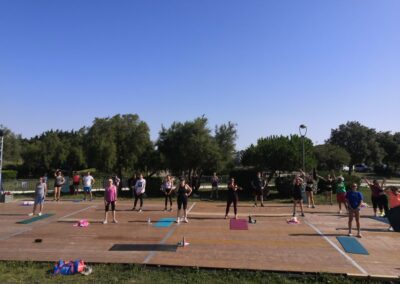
361	168
345	168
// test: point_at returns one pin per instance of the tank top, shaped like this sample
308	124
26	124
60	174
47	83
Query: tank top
182	191
376	190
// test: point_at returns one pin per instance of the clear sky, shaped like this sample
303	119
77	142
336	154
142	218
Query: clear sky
266	65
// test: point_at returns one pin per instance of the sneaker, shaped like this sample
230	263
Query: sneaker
262	205
165	209
178	220
313	206
40	214
140	210
391	229
226	216
134	208
186	220
105	222
302	215
30	214
359	236
115	221
350	234
255	204
340	212
308	206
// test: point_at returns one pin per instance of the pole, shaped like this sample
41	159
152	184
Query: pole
1	159
304	156
303	135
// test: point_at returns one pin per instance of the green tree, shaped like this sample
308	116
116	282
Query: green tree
190	146
331	157
12	146
115	144
359	141
279	153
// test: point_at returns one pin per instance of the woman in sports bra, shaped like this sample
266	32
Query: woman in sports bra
183	191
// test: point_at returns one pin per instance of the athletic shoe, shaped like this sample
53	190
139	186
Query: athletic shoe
340	212
262	205
255	204
308	206
115	221
140	210
134	208
226	216
186	220
40	214
178	220
359	236
105	222
302	215
313	206
350	234
30	214
165	209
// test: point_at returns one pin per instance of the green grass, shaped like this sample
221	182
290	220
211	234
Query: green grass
40	272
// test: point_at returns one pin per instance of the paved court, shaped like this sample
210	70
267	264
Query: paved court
270	244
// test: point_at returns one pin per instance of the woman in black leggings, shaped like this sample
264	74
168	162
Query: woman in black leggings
167	188
183	192
232	198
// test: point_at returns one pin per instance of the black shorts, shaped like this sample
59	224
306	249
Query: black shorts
108	206
182	201
309	189
297	196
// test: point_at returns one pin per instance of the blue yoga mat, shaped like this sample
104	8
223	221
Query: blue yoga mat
34	219
164	222
352	245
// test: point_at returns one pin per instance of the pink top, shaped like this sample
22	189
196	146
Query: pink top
111	193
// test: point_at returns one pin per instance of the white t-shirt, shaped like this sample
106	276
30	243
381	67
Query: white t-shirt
140	186
87	180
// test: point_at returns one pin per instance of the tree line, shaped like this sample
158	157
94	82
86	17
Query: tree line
121	145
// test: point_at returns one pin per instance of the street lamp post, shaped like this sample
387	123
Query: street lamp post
303	133
1	158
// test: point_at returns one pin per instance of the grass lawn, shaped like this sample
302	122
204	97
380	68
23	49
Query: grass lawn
40	272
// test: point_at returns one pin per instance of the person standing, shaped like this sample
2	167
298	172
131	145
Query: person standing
232	198
310	191
258	189
140	188
341	193
328	187
167	188
378	197
297	195
76	180
58	183
214	186
88	182
195	184
110	198
184	190
40	195
131	184
354	200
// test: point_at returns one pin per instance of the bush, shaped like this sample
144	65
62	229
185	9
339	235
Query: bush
9	174
284	185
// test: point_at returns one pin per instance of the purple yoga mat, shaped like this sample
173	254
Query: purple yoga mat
238	224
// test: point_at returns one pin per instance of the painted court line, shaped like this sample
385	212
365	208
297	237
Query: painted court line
76	212
352	261
169	234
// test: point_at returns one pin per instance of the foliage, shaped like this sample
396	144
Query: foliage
279	153
359	141
191	147
11	146
331	157
8	174
284	185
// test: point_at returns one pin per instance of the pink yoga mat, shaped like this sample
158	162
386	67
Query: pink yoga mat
238	224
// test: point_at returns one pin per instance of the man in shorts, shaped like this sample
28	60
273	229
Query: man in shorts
88	182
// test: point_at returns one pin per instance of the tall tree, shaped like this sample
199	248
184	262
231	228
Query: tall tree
331	157
359	141
12	146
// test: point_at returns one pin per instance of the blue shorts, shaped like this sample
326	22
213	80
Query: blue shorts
87	188
39	199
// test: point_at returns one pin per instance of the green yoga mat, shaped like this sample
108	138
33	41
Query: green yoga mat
34	219
352	245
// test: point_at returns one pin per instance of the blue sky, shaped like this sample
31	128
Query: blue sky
266	65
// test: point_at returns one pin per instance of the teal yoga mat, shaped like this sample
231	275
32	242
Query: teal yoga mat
352	245
34	219
164	222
